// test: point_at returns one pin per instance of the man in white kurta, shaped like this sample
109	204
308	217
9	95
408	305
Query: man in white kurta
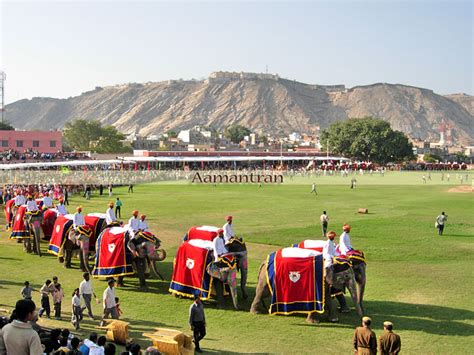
228	230
78	220
142	225
47	201
61	208
345	240
31	205
110	215
133	224
19	199
218	245
329	252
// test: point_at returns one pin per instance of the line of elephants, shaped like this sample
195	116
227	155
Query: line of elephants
352	278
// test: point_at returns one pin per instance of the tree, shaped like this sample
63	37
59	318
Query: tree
431	158
236	133
367	139
5	126
90	135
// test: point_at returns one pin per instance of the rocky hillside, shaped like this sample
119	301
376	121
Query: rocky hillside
266	105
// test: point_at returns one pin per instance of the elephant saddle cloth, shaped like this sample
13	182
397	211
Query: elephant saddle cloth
112	255
8	210
356	255
61	229
49	217
316	245
295	279
201	232
19	230
189	269
235	245
96	222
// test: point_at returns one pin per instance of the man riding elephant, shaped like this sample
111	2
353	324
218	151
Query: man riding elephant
110	218
343	276
33	219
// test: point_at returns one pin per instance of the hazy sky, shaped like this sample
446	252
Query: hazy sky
61	48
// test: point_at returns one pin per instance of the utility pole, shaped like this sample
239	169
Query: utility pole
327	149
3	77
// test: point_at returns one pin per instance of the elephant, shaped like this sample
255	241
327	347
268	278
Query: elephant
33	223
146	252
343	277
359	267
75	241
223	275
238	248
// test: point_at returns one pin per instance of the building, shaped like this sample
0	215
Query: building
41	141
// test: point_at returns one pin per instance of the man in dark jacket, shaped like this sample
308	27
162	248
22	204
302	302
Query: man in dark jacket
197	321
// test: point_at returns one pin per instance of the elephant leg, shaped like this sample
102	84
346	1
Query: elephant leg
67	256
120	281
331	306
84	255
361	291
232	282
342	302
37	239
351	286
243	276
141	266
27	245
219	285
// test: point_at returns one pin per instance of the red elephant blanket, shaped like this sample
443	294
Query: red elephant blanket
96	222
19	228
49	218
296	280
112	255
201	232
9	213
189	270
61	229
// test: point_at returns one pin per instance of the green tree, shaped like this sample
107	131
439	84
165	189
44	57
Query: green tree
236	133
431	158
90	135
5	126
367	139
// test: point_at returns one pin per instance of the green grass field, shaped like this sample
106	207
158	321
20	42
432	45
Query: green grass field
421	282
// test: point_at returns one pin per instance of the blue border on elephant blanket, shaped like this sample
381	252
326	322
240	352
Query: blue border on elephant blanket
297	307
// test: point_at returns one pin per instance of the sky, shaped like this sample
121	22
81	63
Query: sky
63	48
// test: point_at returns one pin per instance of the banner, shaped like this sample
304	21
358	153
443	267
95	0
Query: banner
61	229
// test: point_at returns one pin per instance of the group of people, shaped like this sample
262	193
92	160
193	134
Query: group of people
365	340
21	335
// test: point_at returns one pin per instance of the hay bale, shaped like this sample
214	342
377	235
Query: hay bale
171	341
116	331
363	210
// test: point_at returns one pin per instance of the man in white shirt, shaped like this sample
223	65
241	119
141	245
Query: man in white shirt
61	208
142	225
324	222
218	245
31	205
47	201
345	245
86	291
110	215
133	224
228	231
329	252
109	302
19	199
78	220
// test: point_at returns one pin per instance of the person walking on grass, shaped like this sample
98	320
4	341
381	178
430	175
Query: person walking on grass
76	309
197	322
45	305
19	337
389	342
58	296
118	207
86	291
440	221
324	222
313	188
109	302
27	290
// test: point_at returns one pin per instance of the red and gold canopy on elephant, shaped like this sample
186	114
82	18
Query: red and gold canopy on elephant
49	218
19	230
295	278
61	228
112	255
96	221
189	269
202	233
8	210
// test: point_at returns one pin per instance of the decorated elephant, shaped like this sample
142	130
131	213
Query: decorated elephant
235	246
358	261
33	222
8	211
275	273
118	255
196	273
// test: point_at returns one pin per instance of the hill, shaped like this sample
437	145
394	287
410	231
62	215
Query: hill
263	102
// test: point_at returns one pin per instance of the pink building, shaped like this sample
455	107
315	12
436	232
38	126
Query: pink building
41	141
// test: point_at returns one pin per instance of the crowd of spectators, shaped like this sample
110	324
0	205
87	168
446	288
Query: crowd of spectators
21	334
30	155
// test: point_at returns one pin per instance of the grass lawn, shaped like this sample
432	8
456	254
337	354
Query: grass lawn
421	282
